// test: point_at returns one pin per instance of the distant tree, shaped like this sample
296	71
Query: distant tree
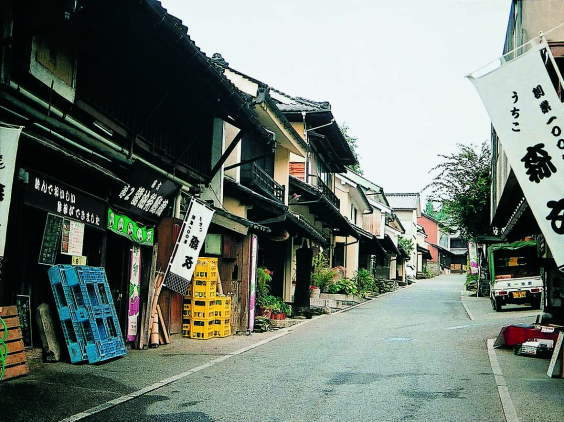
462	185
353	143
438	214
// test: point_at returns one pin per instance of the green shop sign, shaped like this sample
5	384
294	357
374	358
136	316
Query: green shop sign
125	226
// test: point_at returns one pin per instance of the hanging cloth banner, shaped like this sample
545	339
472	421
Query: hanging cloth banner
134	299
187	249
9	138
528	117
124	226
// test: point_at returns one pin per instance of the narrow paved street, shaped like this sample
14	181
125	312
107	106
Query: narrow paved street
410	356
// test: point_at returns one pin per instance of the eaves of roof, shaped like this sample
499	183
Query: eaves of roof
252	196
310	231
331	215
245	222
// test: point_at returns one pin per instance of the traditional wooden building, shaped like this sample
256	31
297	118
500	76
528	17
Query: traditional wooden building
104	142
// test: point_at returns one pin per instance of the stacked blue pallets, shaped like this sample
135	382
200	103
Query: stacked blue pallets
88	317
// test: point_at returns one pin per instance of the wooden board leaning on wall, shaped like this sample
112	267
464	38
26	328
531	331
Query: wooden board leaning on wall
16	362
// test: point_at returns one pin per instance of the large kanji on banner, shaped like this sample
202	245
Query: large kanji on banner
528	117
187	249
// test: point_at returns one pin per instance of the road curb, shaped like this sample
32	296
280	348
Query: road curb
506	402
466	309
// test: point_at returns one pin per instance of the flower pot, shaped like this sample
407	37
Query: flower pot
265	312
314	292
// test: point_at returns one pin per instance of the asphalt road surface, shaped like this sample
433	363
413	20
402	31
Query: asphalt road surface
413	355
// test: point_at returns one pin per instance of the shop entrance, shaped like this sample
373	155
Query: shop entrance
24	273
272	255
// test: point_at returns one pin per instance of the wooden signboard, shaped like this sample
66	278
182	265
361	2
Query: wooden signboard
23	302
557	353
16	363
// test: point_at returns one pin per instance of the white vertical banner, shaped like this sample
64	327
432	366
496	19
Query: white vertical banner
9	138
134	297
253	282
187	249
528	117
473	257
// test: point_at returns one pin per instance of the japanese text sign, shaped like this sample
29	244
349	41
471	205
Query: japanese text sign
124	226
190	240
56	197
9	137
146	194
528	117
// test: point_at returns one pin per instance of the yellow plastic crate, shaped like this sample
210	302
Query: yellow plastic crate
203	289
204	308
225	331
206	269
202	333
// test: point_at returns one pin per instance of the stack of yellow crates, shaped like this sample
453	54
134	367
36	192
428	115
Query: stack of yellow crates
205	314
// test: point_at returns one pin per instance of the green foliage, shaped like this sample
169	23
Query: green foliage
344	286
427	273
353	143
471	282
462	185
364	281
440	215
269	302
287	309
264	277
322	275
275	304
406	245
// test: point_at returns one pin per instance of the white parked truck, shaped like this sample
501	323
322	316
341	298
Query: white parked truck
515	274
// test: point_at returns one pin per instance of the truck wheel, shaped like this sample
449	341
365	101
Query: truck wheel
497	305
536	303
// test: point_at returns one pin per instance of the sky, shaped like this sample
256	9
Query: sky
393	70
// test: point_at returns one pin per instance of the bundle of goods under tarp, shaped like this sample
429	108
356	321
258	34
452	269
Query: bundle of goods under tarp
517	334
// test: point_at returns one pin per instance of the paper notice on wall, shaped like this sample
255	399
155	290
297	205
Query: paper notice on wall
528	117
72	238
187	249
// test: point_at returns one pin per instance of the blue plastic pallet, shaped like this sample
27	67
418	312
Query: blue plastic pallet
88	316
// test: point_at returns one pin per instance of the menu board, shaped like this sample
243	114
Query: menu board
51	237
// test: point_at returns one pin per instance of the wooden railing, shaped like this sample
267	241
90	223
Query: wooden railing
325	190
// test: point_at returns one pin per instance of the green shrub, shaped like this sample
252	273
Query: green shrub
264	278
343	286
364	281
322	275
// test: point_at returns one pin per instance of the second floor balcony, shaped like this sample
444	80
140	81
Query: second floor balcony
326	191
256	178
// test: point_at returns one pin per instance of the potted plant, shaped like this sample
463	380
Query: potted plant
322	275
282	310
314	291
264	277
267	305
